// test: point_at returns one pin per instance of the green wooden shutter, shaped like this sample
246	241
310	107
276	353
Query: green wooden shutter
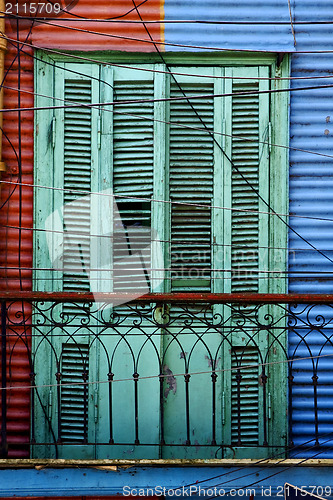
77	183
247	114
133	165
247	128
74	398
245	157
73	172
191	181
244	396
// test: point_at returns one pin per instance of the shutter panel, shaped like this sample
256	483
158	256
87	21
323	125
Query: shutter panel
74	398
77	177
191	181
244	396
133	164
245	156
247	114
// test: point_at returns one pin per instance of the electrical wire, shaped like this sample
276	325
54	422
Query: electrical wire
233	165
262	461
154	200
209	372
78	57
117	19
312	246
177	124
159	376
161	240
18	156
82	18
240	273
272	475
175	21
189	98
199	47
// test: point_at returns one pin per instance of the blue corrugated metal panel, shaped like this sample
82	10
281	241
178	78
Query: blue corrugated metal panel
311	176
311	195
177	482
313	36
312	389
270	37
233	36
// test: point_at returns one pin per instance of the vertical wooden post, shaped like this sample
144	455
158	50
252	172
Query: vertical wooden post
3	46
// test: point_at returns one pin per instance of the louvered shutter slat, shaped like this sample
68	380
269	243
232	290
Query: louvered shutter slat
77	181
133	165
191	181
245	408
245	157
74	401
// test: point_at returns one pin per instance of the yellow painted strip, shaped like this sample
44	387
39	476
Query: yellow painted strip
162	25
112	464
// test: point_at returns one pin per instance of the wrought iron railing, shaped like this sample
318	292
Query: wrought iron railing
170	376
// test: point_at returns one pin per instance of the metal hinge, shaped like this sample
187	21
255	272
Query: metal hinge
96	405
99	131
53	131
270	137
269	406
50	403
223	408
223	136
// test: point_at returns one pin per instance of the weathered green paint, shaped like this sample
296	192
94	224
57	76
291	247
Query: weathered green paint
272	171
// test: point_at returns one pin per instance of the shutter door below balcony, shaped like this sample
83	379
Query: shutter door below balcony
74	396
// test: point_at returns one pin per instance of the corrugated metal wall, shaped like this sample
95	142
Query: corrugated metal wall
311	175
16	244
17	212
311	118
250	35
96	35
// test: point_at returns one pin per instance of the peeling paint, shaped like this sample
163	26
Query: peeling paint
209	361
170	381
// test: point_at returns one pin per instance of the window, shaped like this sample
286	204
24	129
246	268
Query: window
167	161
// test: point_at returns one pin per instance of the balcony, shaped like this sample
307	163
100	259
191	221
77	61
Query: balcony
188	376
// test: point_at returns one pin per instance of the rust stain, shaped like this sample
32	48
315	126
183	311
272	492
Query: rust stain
209	361
170	381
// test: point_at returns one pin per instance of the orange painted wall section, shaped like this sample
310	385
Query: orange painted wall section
97	35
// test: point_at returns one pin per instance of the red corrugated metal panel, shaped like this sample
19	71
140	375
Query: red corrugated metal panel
108	35
16	245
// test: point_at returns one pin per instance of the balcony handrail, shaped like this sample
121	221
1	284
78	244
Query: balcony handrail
177	297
